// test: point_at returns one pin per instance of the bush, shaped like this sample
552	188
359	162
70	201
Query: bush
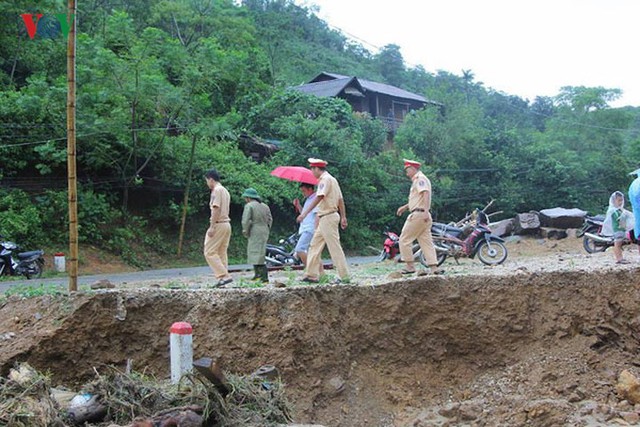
96	218
21	220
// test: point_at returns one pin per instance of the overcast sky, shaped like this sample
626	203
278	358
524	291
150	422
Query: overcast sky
527	48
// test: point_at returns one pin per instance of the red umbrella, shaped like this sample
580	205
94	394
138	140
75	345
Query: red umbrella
295	173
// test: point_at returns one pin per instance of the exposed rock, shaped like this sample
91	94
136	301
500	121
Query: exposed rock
336	385
527	223
631	417
553	233
562	218
572	232
23	374
450	411
503	228
7	336
470	411
628	387
547	412
102	284
300	425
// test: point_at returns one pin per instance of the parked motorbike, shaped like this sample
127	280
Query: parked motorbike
474	238
13	263
391	247
283	254
592	239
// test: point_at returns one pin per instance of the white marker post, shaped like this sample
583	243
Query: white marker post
181	350
59	261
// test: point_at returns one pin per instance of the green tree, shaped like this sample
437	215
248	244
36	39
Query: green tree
391	64
585	99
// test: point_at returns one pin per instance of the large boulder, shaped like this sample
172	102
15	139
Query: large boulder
527	223
553	233
502	228
562	218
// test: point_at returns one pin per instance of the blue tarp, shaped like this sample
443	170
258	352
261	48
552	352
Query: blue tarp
634	198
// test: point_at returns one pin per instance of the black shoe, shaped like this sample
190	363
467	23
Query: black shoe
256	273
223	282
309	280
264	274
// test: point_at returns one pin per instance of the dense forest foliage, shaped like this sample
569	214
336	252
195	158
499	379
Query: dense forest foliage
168	88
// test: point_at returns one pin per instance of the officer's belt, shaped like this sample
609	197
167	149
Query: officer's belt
328	213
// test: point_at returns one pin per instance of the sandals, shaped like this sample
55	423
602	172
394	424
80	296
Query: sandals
223	282
623	261
438	272
405	271
309	280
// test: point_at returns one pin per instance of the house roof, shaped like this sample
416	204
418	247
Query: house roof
349	85
373	87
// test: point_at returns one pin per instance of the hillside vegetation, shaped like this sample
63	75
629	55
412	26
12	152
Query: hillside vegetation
166	88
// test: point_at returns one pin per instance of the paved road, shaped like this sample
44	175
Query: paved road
146	275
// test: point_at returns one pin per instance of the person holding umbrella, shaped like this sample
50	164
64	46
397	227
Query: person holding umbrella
307	186
308	225
331	215
256	224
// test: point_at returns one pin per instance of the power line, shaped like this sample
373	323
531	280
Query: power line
91	134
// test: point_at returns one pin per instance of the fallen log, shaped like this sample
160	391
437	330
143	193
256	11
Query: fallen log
212	371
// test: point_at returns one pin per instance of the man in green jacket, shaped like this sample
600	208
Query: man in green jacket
256	224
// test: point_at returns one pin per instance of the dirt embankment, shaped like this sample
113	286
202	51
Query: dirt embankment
522	349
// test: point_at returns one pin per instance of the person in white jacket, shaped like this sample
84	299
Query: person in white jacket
617	222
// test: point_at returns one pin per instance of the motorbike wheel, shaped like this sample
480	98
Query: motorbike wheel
591	247
34	269
383	256
440	256
271	262
494	255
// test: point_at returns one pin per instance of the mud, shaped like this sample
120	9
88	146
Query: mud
525	348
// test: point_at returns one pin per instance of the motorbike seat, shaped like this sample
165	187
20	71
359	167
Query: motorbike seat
24	255
439	228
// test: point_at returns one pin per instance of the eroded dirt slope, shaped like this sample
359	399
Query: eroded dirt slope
519	349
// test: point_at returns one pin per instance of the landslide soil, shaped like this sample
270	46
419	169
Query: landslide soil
538	341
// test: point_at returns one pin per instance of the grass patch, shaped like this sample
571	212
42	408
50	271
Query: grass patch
32	291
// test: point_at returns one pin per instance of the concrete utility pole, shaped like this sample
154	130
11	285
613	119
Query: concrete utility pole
71	148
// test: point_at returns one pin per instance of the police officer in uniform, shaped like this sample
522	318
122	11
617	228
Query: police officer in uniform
218	235
331	215
418	223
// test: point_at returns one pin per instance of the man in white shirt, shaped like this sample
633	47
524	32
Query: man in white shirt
308	225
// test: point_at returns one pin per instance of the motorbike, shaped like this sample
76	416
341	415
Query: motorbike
283	254
13	263
592	238
391	247
474	238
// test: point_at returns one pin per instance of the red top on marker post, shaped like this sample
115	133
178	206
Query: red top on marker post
181	328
